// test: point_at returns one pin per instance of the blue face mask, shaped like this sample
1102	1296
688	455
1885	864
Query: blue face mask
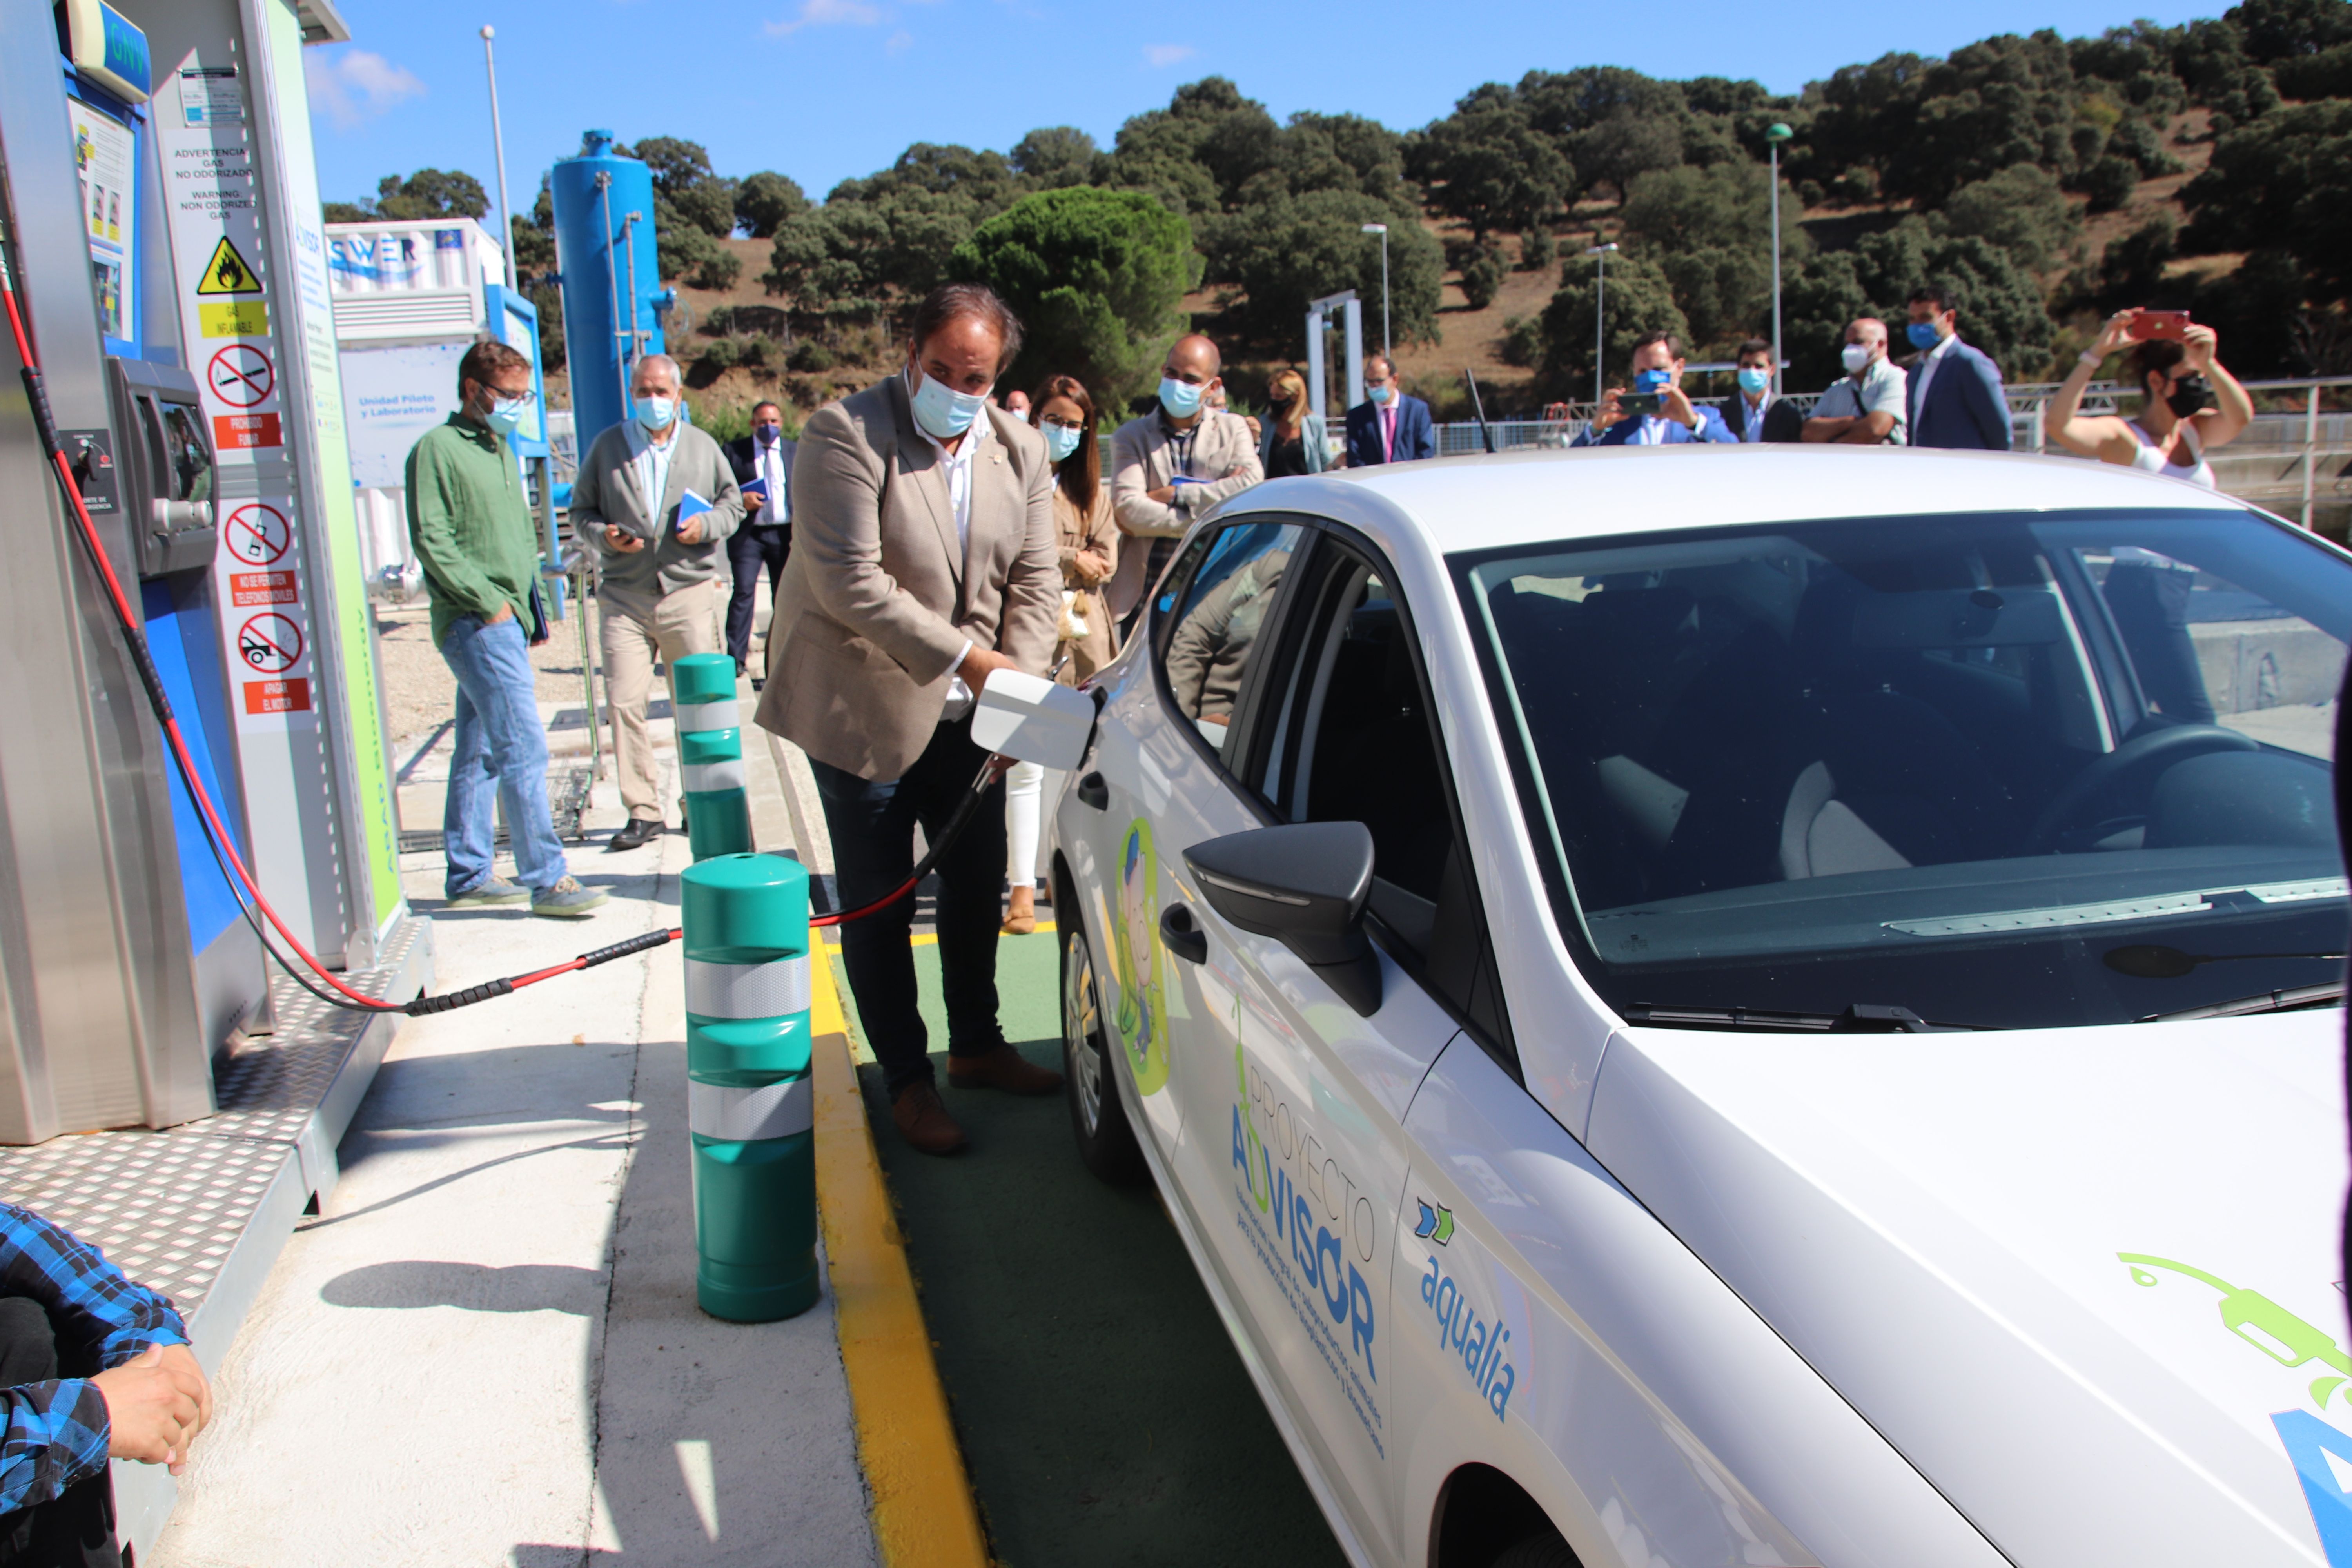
1922	334
768	434
1181	398
945	415
656	413
1380	394
1061	441
1652	380
507	415
1753	380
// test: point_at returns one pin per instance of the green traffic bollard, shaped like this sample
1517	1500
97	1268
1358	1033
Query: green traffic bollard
710	754
749	1102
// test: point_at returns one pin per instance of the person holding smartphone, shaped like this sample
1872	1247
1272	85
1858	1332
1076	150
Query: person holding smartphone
1657	412
2189	403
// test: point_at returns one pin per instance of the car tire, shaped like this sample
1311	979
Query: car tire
1099	1122
1544	1551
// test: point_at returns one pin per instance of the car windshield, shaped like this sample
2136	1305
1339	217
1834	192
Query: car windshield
1991	770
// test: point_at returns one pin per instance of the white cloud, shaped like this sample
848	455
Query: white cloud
827	14
356	85
899	42
1163	55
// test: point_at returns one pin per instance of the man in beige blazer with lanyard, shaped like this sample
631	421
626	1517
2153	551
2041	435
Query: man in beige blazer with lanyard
923	560
660	591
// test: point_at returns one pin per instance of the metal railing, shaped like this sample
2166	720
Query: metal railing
2283	460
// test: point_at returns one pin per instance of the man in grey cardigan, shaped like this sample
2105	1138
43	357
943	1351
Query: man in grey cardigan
657	499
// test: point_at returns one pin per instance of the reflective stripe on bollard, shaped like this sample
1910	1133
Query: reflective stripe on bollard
749	1101
710	754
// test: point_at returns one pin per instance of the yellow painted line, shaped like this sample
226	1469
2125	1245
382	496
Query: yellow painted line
924	1515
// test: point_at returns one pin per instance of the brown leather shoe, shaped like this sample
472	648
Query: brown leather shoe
1004	1068
923	1120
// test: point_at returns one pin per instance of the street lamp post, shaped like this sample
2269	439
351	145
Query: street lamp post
1599	254
1773	137
1382	230
498	140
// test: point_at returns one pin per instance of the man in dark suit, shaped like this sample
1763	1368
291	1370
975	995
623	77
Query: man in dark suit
1956	397
1754	413
764	539
1389	427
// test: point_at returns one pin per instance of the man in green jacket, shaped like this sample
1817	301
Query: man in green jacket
472	530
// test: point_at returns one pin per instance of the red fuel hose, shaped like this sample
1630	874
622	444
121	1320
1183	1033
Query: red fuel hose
216	836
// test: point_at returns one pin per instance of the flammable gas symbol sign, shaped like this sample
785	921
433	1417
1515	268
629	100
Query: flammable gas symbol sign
227	273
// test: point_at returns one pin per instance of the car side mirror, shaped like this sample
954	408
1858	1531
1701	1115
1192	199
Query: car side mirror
1305	886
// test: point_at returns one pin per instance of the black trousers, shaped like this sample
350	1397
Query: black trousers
77	1529
873	828
748	549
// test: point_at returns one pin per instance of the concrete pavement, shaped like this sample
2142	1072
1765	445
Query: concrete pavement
486	1350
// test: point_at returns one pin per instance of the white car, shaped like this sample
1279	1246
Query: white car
1742	1006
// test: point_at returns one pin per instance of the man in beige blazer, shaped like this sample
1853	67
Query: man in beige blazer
1174	463
923	560
662	569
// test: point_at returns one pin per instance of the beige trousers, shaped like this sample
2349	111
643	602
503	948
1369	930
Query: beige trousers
634	636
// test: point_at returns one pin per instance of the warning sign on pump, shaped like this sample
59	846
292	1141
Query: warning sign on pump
241	376
227	272
263	588
277	696
242	432
257	533
269	643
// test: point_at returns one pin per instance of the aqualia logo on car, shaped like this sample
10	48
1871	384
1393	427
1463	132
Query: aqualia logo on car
1481	1343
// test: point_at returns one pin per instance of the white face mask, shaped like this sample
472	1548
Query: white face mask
1856	357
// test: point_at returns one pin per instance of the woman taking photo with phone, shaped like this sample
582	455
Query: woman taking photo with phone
1064	415
2189	403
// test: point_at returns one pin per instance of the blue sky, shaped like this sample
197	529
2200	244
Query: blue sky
822	90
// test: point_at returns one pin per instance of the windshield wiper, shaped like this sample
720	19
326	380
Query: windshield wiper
1860	1018
2261	1001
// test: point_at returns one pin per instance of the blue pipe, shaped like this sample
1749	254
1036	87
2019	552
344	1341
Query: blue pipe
612	298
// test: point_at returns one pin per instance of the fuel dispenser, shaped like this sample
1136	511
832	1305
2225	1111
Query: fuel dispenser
163	233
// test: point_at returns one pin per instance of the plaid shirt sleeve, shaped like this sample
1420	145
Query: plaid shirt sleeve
56	1431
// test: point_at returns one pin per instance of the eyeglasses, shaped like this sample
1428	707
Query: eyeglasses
1063	424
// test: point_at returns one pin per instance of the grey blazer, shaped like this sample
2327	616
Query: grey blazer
877	601
1141	462
606	491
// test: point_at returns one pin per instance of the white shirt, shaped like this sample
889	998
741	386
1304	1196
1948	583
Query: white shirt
1925	369
650	461
956	469
769	460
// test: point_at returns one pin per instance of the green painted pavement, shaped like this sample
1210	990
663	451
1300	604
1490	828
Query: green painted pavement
1104	1415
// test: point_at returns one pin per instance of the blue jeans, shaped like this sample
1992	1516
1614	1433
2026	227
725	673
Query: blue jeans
500	752
872	823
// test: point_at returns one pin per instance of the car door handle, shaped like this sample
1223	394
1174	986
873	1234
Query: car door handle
1183	935
1093	791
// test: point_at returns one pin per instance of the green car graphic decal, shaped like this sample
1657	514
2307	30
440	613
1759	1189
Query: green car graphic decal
1141	1016
2321	1453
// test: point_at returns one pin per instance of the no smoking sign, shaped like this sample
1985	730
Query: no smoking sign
269	643
241	376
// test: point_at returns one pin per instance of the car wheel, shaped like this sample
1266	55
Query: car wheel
1098	1118
1544	1551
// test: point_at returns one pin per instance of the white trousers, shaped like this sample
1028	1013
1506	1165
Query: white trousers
1025	789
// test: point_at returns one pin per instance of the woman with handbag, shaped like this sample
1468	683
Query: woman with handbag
1062	410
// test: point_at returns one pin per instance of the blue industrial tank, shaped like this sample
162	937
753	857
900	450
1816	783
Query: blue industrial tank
613	296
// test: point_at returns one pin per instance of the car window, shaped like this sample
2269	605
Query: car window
2001	771
1357	745
2207	651
1215	617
